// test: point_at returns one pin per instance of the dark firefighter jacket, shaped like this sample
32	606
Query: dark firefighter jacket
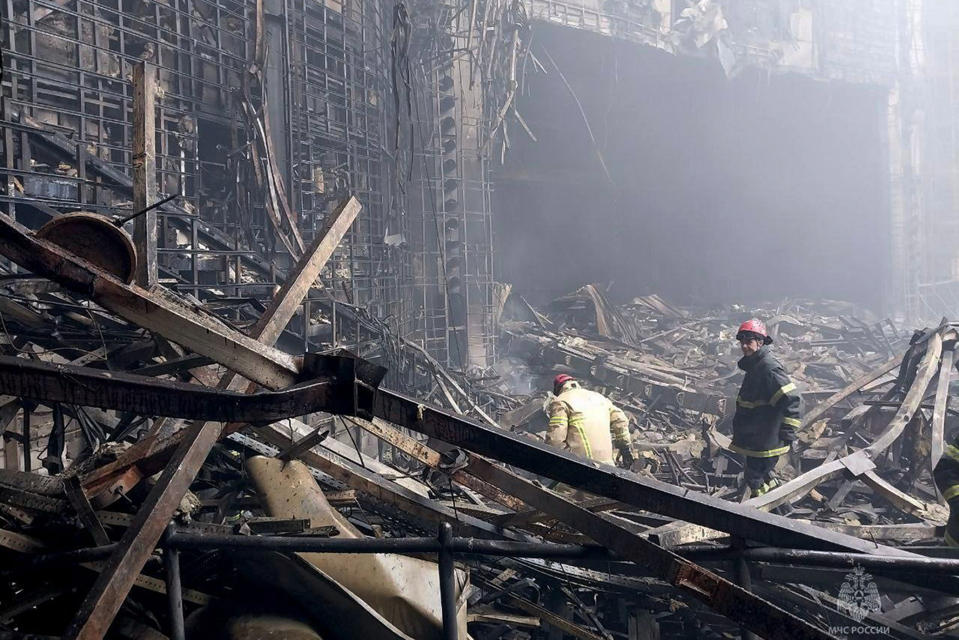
946	474
767	409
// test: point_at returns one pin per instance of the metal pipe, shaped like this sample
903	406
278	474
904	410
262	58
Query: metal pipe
744	580
123	221
447	582
517	549
176	541
174	590
850	560
27	460
473	546
182	540
830	559
65	558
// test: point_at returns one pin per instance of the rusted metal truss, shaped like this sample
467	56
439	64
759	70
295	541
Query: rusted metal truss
170	316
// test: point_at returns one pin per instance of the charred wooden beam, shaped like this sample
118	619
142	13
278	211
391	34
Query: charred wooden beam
122	570
88	516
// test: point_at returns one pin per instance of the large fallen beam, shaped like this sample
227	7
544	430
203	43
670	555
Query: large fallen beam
152	396
652	495
155	310
721	595
718	593
85	386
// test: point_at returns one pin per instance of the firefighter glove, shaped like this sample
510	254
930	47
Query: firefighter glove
627	457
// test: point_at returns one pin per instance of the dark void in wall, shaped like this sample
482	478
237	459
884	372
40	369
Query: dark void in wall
715	190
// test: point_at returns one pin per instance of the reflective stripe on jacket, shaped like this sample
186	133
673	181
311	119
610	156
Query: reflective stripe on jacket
767	408
586	423
946	475
946	472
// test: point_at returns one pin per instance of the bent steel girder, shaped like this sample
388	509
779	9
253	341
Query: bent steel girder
148	396
109	390
610	482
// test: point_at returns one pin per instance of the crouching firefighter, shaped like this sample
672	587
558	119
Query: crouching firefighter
946	475
587	423
767	409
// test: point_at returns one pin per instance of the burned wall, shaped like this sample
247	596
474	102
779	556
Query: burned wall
690	184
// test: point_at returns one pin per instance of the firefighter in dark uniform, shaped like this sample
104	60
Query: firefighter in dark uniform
946	475
767	409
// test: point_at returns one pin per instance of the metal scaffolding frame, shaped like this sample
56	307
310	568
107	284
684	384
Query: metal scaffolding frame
452	192
68	68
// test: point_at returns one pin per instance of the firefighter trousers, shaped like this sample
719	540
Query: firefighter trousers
759	475
952	525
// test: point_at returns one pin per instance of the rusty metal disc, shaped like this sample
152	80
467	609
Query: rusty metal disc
96	239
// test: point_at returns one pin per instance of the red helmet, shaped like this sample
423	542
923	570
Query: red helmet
754	325
559	381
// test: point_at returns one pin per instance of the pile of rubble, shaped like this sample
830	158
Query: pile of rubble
168	474
675	372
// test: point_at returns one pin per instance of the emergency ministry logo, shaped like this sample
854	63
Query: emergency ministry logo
859	595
